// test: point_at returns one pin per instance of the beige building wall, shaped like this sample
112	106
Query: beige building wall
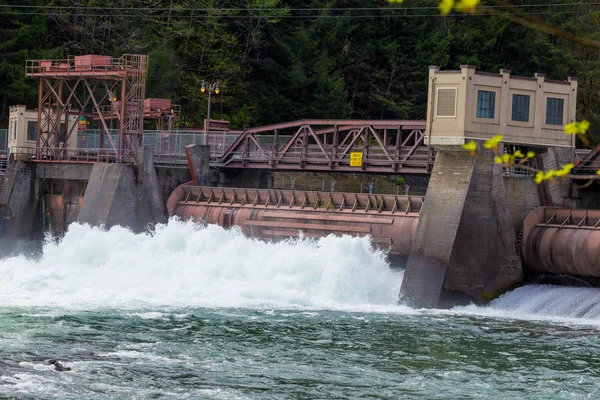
457	114
22	129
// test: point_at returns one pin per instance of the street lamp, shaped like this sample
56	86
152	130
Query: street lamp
210	87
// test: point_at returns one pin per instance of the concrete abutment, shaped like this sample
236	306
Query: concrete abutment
465	247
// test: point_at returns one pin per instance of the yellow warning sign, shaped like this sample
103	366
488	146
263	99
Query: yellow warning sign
356	159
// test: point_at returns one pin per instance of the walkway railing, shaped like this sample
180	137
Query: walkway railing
166	143
83	156
3	150
3	139
3	161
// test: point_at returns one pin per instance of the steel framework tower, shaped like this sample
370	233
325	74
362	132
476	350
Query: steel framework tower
162	113
84	86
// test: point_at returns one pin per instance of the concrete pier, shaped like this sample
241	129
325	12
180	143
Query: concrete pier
465	247
123	194
19	214
199	163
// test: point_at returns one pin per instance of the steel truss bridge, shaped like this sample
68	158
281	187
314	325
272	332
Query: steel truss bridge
386	146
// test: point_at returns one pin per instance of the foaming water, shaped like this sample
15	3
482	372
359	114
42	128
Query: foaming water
188	311
545	302
183	264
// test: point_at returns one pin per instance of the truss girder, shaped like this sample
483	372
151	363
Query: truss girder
386	146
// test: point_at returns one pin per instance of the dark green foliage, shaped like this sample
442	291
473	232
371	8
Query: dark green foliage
22	37
164	74
280	60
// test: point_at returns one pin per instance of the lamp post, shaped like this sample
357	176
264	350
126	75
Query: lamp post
210	87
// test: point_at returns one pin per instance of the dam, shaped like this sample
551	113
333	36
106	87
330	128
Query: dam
480	230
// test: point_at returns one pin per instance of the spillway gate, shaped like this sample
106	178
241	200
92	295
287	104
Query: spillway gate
390	220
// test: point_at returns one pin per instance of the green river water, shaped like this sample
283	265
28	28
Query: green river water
202	313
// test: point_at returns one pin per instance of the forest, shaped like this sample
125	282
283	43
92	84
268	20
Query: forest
281	60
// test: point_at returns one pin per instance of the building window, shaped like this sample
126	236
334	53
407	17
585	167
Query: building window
32	130
62	130
520	108
554	111
486	101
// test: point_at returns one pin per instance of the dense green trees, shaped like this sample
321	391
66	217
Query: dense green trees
279	60
22	36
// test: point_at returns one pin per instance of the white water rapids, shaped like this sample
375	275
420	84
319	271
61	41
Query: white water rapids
182	264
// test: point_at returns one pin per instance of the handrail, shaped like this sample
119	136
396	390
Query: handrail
81	64
3	161
71	155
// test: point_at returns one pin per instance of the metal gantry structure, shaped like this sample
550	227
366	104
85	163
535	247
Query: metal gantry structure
85	86
164	114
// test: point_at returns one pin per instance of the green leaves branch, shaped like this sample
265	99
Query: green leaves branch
518	159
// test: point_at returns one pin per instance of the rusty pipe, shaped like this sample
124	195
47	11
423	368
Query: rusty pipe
391	221
562	241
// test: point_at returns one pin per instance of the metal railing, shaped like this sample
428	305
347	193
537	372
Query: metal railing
3	150
81	64
3	139
84	156
519	171
166	143
3	161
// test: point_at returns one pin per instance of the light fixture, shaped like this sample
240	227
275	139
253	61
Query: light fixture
211	87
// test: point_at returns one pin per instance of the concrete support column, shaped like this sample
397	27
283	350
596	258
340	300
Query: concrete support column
465	246
199	163
110	197
20	217
152	206
123	194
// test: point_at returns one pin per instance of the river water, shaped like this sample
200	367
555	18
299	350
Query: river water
191	312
